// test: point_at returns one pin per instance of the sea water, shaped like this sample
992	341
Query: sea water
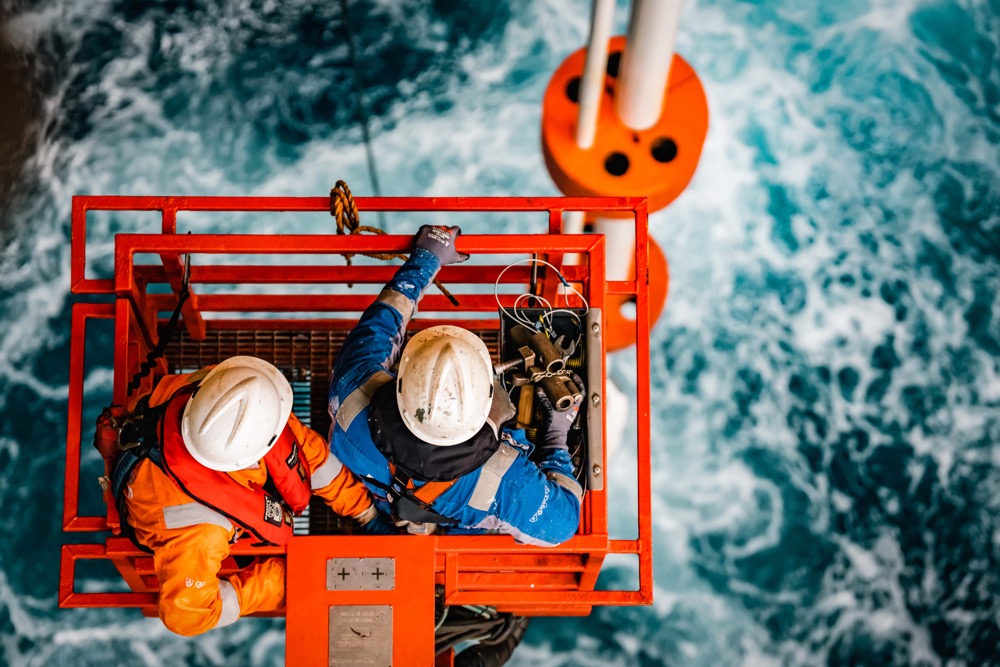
826	399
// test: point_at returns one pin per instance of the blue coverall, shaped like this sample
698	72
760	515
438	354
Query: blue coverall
537	504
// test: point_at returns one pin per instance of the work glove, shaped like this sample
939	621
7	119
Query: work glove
440	242
557	424
380	525
374	522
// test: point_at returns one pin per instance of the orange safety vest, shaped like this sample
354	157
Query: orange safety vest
257	510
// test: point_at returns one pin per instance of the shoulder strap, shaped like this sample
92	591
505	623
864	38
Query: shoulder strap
138	440
414	505
126	463
427	493
430	491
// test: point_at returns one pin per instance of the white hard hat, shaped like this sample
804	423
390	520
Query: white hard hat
240	408
445	385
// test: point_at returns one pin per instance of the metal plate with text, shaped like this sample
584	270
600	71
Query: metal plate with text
360	574
361	636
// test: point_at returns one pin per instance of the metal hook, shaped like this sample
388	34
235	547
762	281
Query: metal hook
186	277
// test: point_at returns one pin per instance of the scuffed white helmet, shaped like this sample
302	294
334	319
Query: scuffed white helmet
236	415
445	385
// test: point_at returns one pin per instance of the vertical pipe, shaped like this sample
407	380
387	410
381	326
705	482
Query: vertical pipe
645	65
592	82
591	92
573	222
619	235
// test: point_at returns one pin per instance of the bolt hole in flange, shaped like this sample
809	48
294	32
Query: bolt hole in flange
573	90
614	60
664	149
616	164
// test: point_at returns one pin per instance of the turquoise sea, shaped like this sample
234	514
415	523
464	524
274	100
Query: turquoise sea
826	376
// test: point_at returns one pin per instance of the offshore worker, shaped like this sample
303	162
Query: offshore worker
225	457
432	441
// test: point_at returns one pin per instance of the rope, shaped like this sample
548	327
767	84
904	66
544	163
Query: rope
362	108
345	213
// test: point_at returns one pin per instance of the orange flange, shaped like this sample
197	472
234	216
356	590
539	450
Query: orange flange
657	163
619	327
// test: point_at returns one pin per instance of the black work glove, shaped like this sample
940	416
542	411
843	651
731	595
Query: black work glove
440	241
555	423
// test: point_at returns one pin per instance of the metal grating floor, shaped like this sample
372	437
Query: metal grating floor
306	358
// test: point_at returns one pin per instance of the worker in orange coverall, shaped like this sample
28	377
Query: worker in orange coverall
221	434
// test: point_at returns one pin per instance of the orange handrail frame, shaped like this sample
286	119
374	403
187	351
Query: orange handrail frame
242	291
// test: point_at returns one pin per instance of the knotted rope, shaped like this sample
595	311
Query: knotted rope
345	213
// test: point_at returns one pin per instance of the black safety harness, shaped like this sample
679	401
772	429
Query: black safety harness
138	440
413	460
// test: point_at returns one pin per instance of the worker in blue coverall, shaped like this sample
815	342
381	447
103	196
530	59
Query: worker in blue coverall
442	422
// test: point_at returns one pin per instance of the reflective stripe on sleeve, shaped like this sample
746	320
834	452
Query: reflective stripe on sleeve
567	483
359	399
325	474
399	301
489	477
230	604
193	514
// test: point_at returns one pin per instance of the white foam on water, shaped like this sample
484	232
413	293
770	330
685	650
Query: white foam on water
719	239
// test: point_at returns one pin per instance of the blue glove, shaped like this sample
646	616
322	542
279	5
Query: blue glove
380	525
440	242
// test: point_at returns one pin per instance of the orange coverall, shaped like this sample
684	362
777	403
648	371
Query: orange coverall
187	556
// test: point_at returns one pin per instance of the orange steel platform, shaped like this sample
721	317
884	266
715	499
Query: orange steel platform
235	309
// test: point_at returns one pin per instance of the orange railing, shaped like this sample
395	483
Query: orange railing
481	570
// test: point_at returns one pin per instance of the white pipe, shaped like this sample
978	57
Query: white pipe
592	82
619	246
645	64
573	222
617	408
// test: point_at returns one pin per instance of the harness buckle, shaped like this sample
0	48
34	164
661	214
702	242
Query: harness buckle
131	433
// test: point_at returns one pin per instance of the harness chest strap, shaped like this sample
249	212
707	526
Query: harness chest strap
427	493
485	491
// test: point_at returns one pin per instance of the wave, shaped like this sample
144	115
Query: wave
825	376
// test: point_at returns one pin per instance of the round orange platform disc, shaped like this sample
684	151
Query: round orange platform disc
619	328
657	163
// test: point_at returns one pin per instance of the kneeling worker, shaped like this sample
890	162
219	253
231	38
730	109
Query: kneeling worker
432	441
227	457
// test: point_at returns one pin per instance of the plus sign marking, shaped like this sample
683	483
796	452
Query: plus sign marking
360	574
